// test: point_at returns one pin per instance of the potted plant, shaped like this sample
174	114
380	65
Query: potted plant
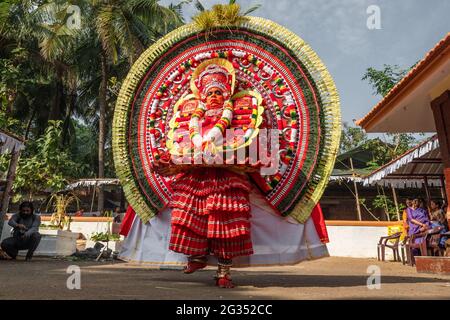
60	203
56	241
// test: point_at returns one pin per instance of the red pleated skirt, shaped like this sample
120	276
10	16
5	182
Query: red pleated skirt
211	212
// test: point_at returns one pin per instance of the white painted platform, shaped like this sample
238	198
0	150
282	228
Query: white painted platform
57	243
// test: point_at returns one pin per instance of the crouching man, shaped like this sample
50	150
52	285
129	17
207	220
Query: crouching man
25	234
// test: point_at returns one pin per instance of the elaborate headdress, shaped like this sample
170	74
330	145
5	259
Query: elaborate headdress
213	73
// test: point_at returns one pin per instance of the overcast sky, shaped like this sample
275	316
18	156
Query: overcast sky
337	31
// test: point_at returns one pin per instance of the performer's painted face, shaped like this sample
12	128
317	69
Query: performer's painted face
214	97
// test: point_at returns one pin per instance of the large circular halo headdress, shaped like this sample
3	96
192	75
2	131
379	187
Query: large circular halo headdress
300	97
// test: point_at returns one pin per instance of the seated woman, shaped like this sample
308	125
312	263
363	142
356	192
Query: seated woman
437	219
405	217
418	221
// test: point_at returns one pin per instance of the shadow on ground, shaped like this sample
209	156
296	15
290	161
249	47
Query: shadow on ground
46	279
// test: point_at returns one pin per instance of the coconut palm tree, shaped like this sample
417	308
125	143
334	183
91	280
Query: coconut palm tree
69	71
29	91
123	28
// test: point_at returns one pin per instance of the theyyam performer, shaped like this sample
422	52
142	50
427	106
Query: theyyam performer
225	134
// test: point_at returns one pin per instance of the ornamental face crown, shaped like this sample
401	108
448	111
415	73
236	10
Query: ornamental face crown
214	76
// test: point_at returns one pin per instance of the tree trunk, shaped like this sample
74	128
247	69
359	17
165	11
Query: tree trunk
102	129
9	182
55	111
33	114
66	126
358	205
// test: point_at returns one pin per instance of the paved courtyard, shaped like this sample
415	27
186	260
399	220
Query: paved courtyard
329	278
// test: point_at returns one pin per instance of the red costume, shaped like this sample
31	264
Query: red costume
211	207
180	101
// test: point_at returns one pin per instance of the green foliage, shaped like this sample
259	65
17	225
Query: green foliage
382	150
351	138
49	72
383	202
13	80
393	144
59	204
49	226
385	151
4	164
105	236
201	8
382	81
5	7
44	165
6	121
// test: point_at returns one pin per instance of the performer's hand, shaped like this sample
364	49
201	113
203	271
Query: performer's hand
197	141
209	146
205	142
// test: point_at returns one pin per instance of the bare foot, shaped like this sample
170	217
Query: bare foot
4	256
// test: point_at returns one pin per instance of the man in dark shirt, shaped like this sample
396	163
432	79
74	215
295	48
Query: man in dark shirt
25	233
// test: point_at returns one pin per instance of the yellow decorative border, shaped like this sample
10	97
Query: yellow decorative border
303	51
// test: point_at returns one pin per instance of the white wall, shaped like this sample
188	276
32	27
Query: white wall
356	241
88	228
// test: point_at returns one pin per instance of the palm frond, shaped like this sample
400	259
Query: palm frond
56	40
199	6
156	16
252	9
4	12
106	31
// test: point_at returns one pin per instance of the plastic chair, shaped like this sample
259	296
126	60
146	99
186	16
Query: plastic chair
383	244
433	239
404	252
422	245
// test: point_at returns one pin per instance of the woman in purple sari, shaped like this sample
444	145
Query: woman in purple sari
418	220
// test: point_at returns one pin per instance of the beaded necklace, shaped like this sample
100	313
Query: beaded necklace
216	132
